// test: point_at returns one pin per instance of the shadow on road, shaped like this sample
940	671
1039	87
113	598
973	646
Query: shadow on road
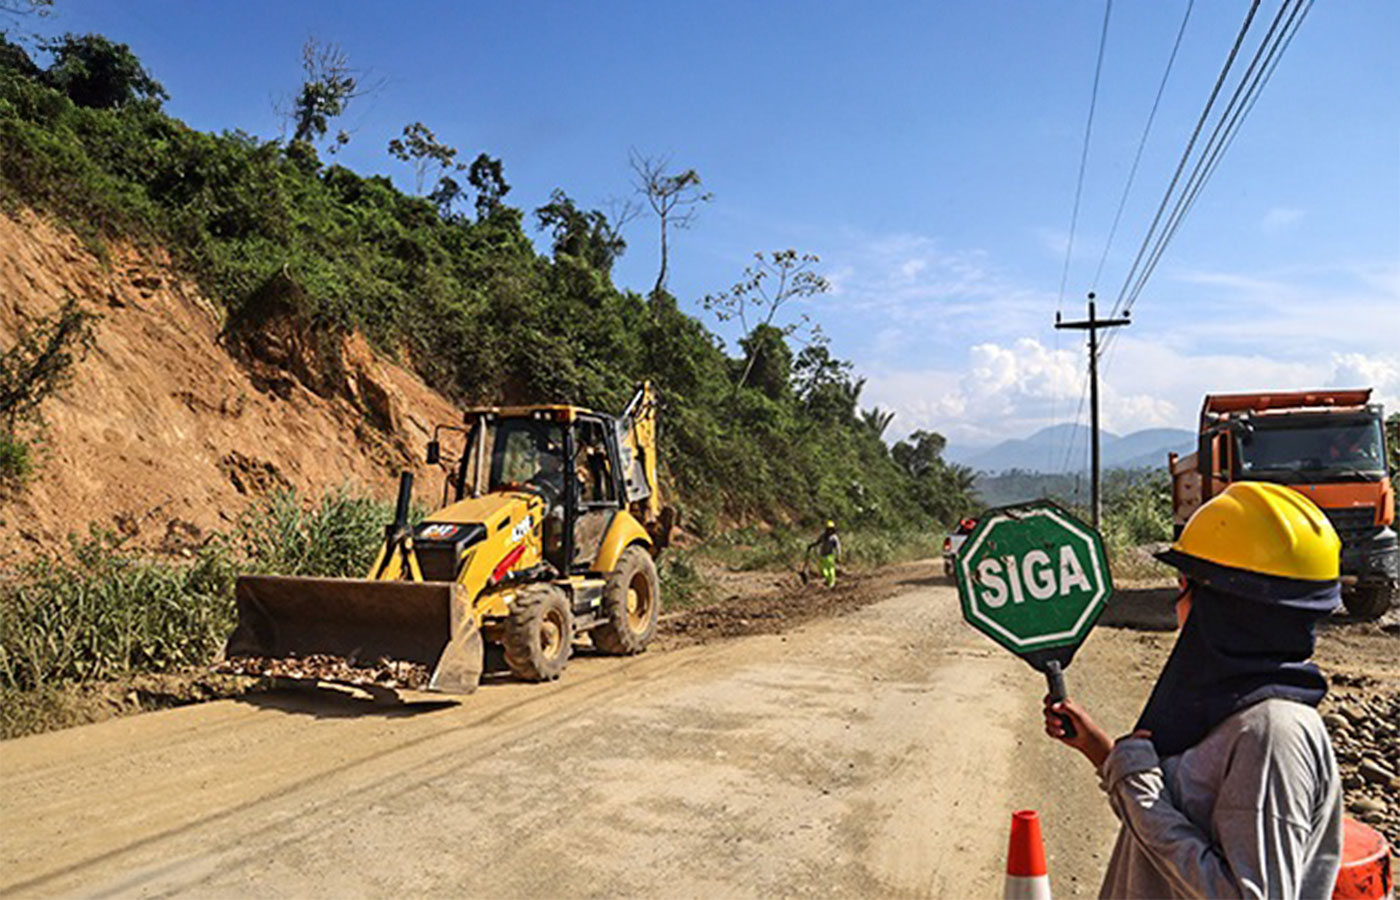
1141	609
329	700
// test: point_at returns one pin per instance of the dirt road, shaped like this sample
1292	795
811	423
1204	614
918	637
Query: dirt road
879	752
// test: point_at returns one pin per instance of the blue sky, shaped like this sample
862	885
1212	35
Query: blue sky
926	152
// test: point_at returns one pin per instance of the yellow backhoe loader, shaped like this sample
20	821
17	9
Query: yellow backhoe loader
549	524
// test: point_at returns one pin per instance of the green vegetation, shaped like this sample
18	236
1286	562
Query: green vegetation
103	612
1137	509
452	284
39	365
271	231
752	549
16	461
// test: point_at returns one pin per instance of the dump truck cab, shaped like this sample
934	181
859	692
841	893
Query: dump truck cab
1329	446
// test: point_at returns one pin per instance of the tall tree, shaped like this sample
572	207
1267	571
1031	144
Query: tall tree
920	452
17	11
16	8
674	199
585	235
487	175
877	420
769	283
421	149
331	83
98	73
769	359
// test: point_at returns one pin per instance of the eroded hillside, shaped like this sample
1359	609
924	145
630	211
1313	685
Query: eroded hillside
170	425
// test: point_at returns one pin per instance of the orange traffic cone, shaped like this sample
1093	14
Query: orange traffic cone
1025	859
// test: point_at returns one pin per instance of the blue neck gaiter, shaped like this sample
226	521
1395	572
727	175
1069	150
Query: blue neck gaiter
1232	652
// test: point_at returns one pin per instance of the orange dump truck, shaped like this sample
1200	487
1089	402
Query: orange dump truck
1329	446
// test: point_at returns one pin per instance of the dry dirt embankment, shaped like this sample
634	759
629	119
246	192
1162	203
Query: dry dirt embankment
170	425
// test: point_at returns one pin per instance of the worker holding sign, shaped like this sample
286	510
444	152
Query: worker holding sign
1228	786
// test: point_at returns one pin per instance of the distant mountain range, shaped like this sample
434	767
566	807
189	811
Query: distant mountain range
1049	450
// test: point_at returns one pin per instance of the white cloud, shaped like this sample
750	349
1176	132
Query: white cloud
953	342
917	290
1010	391
1359	370
1279	219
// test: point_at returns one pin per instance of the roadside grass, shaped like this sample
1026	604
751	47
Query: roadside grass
754	550
101	627
104	613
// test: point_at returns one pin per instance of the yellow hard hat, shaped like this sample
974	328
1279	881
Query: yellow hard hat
1255	529
830	523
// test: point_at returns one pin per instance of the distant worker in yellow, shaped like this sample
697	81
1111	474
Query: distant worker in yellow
828	547
1227	786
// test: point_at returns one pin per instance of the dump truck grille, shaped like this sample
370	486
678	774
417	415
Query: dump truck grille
1352	522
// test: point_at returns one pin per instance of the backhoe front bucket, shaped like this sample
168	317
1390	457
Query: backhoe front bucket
362	621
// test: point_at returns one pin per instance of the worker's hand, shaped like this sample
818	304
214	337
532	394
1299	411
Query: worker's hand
1089	738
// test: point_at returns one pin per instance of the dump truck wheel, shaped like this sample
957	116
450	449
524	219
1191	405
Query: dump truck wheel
1368	601
539	633
631	604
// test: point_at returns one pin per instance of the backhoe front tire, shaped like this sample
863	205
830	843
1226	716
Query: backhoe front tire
631	604
539	633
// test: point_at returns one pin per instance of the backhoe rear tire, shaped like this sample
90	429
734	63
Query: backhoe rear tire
1368	601
631	604
539	634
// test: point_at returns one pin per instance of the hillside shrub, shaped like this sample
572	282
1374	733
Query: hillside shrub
467	301
16	463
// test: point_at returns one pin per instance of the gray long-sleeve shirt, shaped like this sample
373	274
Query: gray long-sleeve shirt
1253	810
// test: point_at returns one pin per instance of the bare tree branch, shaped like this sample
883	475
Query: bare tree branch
674	199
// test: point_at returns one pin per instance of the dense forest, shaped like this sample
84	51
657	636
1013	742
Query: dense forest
449	281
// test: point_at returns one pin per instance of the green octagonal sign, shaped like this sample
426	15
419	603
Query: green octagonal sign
1033	578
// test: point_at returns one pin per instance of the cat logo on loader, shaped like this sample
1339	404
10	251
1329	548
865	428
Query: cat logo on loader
550	523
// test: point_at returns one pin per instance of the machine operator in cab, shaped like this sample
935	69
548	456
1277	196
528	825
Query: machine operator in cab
1227	786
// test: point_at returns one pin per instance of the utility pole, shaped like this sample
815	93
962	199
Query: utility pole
1092	325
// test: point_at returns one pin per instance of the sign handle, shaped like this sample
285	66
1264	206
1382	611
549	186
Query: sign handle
1055	677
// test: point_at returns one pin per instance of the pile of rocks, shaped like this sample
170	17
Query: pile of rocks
387	673
1365	726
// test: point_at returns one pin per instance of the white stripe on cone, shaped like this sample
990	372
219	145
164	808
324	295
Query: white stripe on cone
1027	887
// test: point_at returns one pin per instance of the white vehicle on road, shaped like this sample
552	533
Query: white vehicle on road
953	541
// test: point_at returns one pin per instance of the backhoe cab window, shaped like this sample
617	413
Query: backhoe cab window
528	452
592	466
1340	449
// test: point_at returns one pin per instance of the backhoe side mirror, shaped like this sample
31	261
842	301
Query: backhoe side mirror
434	452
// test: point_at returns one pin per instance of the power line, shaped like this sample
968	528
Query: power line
1079	188
1084	154
1142	143
1078	415
1228	125
1186	155
1260	69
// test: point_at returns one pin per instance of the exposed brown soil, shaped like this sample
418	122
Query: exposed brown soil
171	425
773	602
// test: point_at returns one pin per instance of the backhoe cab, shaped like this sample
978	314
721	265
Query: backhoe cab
549	523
